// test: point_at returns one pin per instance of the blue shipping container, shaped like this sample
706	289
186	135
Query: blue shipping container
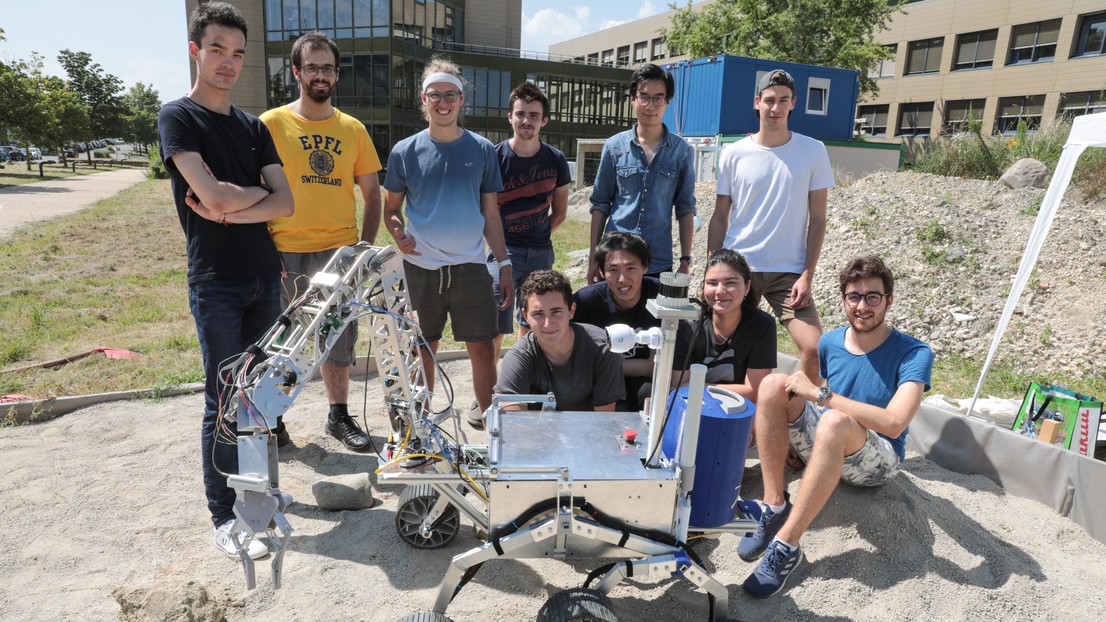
714	96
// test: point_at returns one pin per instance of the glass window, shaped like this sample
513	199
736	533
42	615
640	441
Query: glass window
624	55
658	49
1034	43
593	59
975	50
326	13
608	58
959	112
1014	110
639	52
272	20
1092	35
343	14
1085	102
915	119
886	68
817	96
872	120
924	56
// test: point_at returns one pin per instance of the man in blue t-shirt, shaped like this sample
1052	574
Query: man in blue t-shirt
620	298
534	199
217	156
448	177
852	429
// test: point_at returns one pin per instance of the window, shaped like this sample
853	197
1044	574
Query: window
915	119
1014	110
975	50
885	68
817	96
1092	35
640	52
658	49
957	114
1086	102
608	58
872	120
593	58
1034	43
624	56
924	56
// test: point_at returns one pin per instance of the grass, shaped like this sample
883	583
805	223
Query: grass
16	174
96	278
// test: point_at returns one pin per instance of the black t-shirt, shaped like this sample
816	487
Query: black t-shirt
527	195
752	346
592	377
595	306
236	147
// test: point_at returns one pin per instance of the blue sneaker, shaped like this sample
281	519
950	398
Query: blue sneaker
774	570
753	545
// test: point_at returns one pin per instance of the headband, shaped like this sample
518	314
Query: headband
441	76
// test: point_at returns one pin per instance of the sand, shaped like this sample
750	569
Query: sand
107	502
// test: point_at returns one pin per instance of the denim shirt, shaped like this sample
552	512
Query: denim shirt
639	197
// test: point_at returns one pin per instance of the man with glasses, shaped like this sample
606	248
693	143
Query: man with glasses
449	178
771	208
325	152
645	174
852	428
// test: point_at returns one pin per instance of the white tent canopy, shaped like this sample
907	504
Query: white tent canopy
1086	131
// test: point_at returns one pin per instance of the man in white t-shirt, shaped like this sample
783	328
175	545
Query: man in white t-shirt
771	208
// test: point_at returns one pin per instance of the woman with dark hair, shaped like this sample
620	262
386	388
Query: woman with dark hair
734	339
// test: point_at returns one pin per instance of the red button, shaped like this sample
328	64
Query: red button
629	435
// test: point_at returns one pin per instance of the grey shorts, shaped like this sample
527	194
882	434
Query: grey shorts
296	278
463	292
775	287
874	464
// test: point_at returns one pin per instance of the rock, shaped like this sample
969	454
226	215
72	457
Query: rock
169	602
343	492
1026	173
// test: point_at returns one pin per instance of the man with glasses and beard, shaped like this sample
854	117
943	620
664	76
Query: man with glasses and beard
325	152
852	429
646	174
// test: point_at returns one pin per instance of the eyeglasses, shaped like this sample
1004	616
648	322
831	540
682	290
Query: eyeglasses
327	70
656	100
872	299
449	96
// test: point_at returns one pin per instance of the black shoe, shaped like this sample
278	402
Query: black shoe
345	429
282	437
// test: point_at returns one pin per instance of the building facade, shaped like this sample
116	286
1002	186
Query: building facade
632	44
386	44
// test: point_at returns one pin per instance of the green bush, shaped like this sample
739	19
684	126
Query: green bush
157	167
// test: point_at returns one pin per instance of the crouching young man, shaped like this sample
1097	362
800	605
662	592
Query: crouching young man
572	360
852	429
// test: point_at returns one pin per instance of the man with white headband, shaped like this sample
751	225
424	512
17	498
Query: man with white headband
449	178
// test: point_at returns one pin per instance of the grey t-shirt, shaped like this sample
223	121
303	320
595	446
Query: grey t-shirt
592	377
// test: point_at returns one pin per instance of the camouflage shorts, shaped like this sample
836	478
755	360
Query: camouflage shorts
874	464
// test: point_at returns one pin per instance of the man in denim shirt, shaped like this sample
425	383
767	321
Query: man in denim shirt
645	174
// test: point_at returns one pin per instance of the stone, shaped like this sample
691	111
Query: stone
1026	173
343	492
169	602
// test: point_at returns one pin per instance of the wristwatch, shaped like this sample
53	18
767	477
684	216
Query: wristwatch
686	258
823	394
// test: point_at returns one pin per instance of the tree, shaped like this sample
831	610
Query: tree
99	90
143	104
832	33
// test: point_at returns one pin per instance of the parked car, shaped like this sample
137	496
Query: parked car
4	155
70	152
15	154
33	153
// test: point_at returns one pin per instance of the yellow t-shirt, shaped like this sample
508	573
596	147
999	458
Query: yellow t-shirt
321	159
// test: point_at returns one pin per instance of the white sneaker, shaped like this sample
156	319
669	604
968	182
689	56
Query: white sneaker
226	544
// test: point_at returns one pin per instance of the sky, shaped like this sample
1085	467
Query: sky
145	40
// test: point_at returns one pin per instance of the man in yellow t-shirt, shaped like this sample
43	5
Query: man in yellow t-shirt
324	153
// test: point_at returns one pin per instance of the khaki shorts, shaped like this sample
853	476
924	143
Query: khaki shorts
463	292
874	464
775	287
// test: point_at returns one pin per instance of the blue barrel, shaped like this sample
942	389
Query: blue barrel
724	430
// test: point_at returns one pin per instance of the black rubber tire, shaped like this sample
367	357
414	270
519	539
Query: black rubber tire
414	505
424	616
579	604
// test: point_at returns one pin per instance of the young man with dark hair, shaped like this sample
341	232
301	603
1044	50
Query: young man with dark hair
572	360
325	153
646	174
771	208
217	157
620	298
449	178
534	199
852	429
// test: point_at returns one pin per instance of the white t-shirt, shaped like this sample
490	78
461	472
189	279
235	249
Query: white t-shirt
770	189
